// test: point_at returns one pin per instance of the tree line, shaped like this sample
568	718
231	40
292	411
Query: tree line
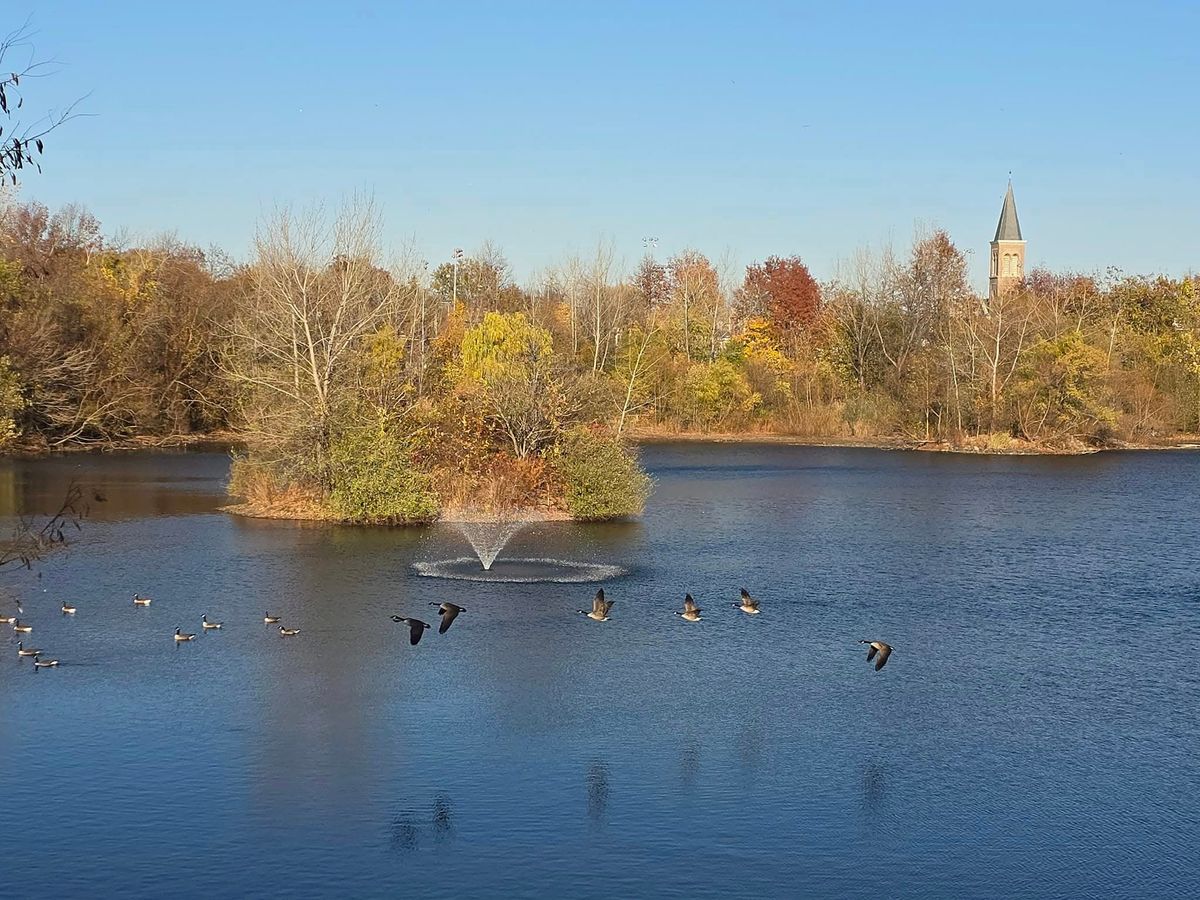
102	341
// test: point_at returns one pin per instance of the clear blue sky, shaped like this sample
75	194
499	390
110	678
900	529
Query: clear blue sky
751	129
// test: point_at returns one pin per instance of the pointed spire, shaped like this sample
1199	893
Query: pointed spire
1008	228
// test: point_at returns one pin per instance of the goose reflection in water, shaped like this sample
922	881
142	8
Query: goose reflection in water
874	789
689	765
597	792
409	826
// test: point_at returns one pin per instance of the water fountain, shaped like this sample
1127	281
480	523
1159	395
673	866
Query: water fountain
489	538
488	534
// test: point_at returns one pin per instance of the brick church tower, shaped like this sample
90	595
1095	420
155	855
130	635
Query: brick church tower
1008	250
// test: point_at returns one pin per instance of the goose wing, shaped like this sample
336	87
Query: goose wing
884	652
871	651
416	628
450	612
689	605
599	607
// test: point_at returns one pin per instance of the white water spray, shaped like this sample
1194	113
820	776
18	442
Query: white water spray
489	538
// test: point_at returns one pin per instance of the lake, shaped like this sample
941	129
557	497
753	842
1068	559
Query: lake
1036	732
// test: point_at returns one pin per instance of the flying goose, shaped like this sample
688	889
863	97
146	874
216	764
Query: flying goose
748	605
449	612
880	648
21	629
269	619
416	628
209	626
22	650
139	600
180	636
691	612
39	663
288	632
600	607
68	610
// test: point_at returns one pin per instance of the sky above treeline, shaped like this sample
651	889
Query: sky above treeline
743	130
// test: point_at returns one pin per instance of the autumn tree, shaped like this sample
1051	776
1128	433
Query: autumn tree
652	283
782	290
698	302
510	364
317	295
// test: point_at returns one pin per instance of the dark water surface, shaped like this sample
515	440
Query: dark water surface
1035	734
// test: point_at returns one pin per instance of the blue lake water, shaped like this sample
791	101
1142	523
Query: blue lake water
1036	732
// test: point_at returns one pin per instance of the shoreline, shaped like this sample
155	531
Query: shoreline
302	512
1181	442
229	440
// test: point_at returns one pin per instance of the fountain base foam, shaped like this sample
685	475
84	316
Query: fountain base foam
518	571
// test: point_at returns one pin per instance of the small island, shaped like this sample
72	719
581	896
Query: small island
493	423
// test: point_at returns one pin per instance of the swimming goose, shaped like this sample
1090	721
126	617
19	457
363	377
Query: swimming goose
68	610
748	605
209	626
288	632
139	600
180	636
691	612
600	607
416	628
39	663
880	648
21	629
8	620
449	612
269	619
22	650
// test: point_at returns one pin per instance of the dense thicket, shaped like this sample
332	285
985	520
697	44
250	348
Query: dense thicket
317	337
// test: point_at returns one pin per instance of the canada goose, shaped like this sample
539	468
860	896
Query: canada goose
748	605
21	629
139	600
209	626
180	636
691	612
600	607
22	650
8	620
416	628
68	610
449	612
39	663
269	619
878	647
288	632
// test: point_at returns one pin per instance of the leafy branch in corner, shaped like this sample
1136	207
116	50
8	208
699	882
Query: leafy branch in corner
22	144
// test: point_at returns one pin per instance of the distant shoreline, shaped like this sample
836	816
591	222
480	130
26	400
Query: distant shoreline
228	440
1181	442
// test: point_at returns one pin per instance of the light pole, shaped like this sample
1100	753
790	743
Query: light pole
458	256
649	243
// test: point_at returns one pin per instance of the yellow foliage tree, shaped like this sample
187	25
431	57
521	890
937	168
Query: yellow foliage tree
509	362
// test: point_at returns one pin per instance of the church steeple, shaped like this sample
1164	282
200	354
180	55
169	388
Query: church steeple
1008	250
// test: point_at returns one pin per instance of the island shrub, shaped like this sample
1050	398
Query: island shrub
374	480
601	476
